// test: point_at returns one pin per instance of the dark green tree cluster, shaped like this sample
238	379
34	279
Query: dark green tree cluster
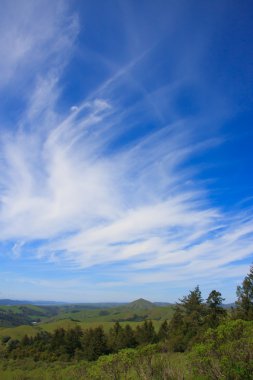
192	317
76	343
244	303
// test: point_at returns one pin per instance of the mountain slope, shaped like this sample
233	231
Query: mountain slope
140	304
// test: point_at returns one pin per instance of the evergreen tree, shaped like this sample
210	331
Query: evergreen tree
193	303
116	338
145	333
94	343
58	340
187	321
177	320
25	341
194	310
129	337
73	340
215	311
163	333
244	303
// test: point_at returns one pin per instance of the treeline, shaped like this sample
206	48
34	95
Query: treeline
76	343
191	318
220	341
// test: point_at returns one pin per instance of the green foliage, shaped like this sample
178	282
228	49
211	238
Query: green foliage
5	339
220	347
57	316
94	343
225	352
215	312
11	316
187	322
164	330
119	337
145	333
244	304
129	364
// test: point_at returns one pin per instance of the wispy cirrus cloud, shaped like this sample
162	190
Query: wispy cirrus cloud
110	182
32	38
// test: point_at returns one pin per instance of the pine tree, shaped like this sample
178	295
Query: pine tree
116	338
25	341
163	333
129	337
145	333
215	311
94	343
244	303
73	340
187	321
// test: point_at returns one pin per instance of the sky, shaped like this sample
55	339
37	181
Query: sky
125	148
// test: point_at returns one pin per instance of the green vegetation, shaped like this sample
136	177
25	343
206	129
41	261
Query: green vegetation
225	352
25	314
136	311
200	341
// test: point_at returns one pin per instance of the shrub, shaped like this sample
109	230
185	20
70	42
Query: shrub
226	352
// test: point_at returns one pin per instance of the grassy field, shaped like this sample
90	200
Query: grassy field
135	311
20	331
51	318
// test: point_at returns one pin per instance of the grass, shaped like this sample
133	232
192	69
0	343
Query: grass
72	315
21	331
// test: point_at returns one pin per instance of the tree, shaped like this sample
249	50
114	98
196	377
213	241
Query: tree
73	340
145	333
116	338
25	341
121	337
163	332
193	302
94	343
187	321
244	303
215	311
129	337
194	312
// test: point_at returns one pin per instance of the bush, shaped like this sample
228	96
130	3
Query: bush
226	352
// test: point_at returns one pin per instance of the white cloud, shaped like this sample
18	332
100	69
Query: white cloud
94	199
32	35
134	205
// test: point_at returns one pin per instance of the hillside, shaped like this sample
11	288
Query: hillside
140	304
25	314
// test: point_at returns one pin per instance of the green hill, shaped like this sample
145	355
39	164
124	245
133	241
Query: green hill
140	304
11	316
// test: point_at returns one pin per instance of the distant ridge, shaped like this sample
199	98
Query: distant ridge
87	305
8	302
140	304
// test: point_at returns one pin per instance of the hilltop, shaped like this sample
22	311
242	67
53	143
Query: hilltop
140	304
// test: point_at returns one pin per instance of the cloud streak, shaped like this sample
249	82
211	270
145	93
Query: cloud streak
85	188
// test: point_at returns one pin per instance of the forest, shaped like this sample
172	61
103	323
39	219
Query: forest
201	340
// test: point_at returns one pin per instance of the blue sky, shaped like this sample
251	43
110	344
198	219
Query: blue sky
125	148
